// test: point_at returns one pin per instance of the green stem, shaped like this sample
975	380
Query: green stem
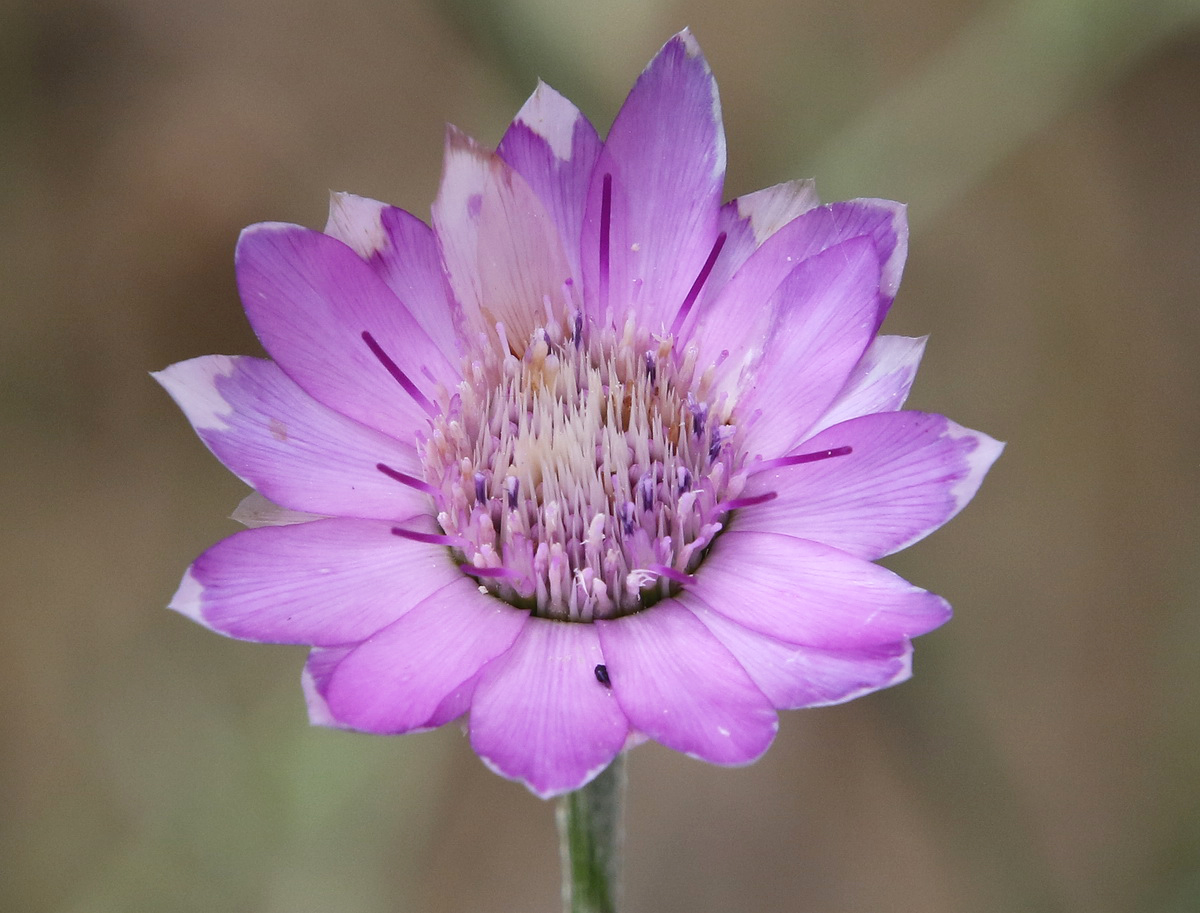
590	832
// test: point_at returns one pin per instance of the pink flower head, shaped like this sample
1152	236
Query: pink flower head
594	459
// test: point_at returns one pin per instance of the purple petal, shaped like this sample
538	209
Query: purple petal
879	382
908	473
315	679
735	321
665	158
326	582
501	247
823	321
753	217
288	446
680	686
794	676
540	715
746	223
397	680
805	592
403	251
310	298
554	147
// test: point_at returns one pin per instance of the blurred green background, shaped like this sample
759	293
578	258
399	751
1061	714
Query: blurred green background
1044	758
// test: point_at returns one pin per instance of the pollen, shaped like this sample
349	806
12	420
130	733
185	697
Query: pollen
583	473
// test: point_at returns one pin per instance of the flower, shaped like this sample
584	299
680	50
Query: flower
593	459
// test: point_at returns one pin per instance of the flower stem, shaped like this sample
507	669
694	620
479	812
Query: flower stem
590	833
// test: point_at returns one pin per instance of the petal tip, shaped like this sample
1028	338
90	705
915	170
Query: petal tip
358	223
189	598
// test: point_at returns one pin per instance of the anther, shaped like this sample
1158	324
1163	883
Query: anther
601	672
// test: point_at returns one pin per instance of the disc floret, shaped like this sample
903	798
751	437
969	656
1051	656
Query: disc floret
583	474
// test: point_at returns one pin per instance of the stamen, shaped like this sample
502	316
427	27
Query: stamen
605	224
399	376
410	481
601	672
799	458
694	292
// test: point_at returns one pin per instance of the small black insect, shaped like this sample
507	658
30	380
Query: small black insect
602	676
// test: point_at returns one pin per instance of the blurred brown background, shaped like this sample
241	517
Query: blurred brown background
1044	758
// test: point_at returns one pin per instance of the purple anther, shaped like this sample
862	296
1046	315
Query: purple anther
512	488
714	448
683	479
699	414
645	489
601	673
480	487
628	512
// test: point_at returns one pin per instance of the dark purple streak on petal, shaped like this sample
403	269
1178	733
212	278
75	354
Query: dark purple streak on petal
701	278
400	377
605	224
410	481
738	503
797	458
428	538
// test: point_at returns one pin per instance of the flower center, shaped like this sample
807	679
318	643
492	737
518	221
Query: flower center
585	478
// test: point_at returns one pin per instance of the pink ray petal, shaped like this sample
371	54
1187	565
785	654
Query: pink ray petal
665	161
823	321
297	452
403	251
500	245
680	686
879	382
907	474
310	299
804	592
554	148
540	714
397	680
327	582
793	676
